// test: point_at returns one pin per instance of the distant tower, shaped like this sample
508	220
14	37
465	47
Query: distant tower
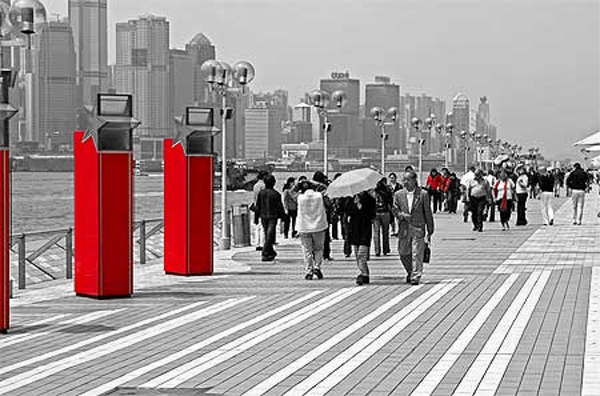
56	83
90	33
201	50
461	113
143	70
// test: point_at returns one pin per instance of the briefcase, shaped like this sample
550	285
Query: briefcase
427	254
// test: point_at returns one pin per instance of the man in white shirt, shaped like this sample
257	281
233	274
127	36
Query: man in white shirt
522	194
464	184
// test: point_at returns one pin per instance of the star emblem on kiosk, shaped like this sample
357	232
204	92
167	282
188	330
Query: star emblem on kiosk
111	112
197	120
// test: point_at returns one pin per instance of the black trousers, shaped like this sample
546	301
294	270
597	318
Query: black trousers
506	213
290	219
521	209
270	227
437	200
478	205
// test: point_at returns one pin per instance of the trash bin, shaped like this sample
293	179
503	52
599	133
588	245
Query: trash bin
241	225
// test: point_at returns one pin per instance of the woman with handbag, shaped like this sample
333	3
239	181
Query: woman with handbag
504	195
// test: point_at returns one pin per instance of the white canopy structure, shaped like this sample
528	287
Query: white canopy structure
592	140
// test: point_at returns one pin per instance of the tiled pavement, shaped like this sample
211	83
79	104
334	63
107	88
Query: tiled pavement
499	313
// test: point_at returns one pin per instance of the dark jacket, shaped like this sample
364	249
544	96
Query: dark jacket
269	205
577	180
546	183
383	199
360	220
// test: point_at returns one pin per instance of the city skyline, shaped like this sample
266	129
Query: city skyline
541	77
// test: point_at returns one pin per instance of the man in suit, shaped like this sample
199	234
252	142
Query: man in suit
412	209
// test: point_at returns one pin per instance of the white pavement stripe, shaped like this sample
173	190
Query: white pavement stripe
439	371
476	372
193	348
494	374
322	380
189	370
17	339
41	372
97	338
90	317
284	373
591	362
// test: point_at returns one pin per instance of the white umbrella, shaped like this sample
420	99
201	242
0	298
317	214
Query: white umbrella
593	148
501	158
592	140
353	182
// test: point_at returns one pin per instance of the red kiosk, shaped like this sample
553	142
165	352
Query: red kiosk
104	168
6	112
188	187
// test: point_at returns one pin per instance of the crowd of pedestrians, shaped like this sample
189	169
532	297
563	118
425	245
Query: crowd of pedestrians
399	207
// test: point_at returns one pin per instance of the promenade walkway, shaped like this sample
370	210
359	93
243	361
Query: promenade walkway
498	313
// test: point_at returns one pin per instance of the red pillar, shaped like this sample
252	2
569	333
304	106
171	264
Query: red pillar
188	212
103	221
4	239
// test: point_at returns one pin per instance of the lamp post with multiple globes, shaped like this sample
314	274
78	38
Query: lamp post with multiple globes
220	77
383	118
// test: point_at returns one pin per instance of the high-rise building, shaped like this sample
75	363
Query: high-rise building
181	72
201	49
55	84
90	32
483	125
461	113
257	131
143	62
382	94
277	104
423	107
345	138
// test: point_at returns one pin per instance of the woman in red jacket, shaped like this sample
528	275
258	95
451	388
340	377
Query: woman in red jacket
435	185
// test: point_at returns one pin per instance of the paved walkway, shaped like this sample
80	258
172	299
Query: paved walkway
499	313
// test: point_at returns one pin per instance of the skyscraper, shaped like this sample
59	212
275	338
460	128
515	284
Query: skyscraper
345	137
56	83
201	49
90	34
383	94
143	70
461	113
483	118
181	73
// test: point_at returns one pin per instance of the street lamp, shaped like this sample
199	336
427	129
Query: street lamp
464	135
320	100
380	116
220	77
417	123
447	139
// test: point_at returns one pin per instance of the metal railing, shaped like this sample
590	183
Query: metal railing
61	240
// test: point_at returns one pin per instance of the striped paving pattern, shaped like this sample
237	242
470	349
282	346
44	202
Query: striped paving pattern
481	324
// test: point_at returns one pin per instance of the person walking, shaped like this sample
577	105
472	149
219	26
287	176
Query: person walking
522	194
479	197
577	183
491	179
465	180
259	232
504	195
361	211
322	183
335	214
453	193
546	185
435	183
291	208
412	209
312	226
395	186
381	225
269	209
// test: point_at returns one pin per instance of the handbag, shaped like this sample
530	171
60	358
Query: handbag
427	254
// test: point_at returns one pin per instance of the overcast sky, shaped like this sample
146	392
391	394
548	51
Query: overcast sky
538	61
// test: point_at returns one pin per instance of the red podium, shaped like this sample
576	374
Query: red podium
188	209
7	77
104	168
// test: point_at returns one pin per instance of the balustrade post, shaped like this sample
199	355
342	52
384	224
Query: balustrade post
143	242
69	253
22	262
